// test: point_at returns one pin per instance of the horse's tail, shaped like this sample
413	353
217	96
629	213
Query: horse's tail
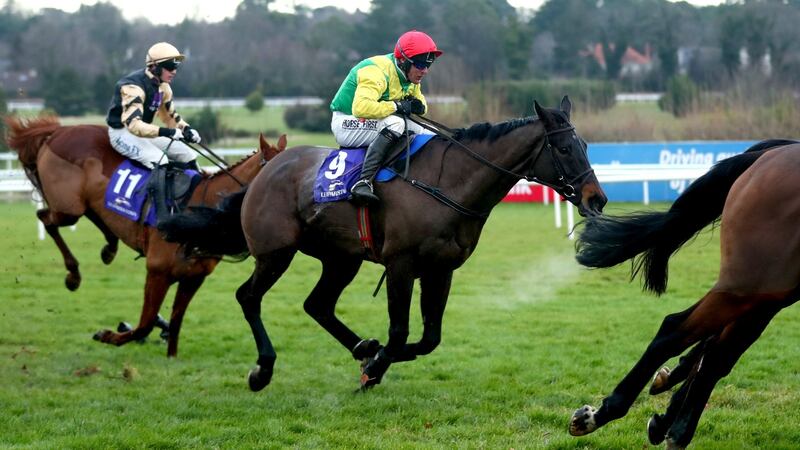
650	238
210	231
26	137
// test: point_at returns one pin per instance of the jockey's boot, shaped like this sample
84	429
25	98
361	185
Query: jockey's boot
362	192
156	187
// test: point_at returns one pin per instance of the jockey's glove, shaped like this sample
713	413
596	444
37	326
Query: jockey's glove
410	105
191	135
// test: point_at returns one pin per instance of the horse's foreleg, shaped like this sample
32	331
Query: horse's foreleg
321	305
268	269
399	285
109	250
435	288
187	287
717	362
51	221
155	289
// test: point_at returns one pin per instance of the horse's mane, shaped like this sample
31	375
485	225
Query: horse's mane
241	161
489	131
26	136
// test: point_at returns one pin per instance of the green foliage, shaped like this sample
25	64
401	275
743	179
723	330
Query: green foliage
516	97
254	101
308	118
208	123
681	96
66	92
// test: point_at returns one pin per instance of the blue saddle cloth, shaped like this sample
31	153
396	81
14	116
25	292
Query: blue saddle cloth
342	168
126	193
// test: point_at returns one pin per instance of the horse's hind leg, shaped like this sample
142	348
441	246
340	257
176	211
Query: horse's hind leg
155	288
683	413
678	331
435	288
321	305
187	287
666	379
109	250
51	221
268	269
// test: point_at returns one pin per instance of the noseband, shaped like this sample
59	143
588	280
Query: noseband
567	187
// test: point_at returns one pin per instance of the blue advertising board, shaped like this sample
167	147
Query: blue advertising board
662	153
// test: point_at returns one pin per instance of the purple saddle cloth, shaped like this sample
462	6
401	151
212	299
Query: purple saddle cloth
342	168
126	192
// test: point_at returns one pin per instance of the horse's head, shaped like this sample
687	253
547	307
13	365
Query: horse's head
563	163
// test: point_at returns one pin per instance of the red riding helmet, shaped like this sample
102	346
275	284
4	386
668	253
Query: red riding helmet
417	46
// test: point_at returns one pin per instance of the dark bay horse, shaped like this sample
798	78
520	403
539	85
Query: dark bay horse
71	167
415	235
755	194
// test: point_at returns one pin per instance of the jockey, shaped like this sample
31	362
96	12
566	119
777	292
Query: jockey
375	90
138	97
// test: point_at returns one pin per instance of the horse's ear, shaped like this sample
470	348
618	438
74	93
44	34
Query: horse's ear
566	105
282	143
262	143
543	114
538	108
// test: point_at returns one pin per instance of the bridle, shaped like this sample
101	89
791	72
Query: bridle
566	187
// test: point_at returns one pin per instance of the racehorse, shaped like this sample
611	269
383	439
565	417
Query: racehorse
754	193
71	166
418	231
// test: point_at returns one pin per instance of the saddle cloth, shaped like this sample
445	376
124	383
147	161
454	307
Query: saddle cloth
126	191
342	168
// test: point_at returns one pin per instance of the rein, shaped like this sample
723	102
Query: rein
567	189
220	165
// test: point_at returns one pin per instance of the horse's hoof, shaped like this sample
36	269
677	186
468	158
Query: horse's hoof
72	281
372	372
367	348
107	255
660	381
582	421
671	445
654	432
102	335
259	378
164	325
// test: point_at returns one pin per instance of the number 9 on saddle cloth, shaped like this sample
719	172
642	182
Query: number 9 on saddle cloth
342	168
129	188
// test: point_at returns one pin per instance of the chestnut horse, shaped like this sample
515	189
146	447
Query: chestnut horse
754	193
418	230
71	166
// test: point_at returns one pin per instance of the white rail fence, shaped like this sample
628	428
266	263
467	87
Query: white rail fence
13	180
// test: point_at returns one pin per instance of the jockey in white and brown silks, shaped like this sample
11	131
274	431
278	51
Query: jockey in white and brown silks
375	89
138	97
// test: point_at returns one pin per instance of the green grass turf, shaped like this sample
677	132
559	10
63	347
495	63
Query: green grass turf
529	336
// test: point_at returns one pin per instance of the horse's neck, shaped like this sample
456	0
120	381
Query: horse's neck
511	152
208	190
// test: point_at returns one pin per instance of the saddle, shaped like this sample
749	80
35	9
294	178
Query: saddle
180	183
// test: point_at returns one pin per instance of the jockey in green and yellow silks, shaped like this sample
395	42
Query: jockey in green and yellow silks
370	103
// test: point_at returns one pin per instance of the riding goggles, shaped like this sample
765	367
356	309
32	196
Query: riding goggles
170	64
423	61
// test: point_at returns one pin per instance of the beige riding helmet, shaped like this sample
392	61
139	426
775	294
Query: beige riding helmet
162	51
